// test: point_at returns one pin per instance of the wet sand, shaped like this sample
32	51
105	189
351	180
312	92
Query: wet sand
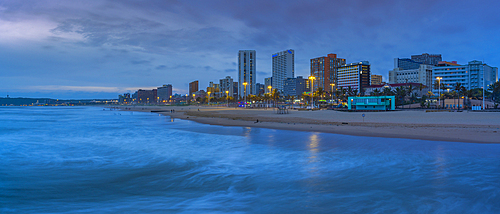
471	127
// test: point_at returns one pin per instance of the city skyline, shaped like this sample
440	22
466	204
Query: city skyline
62	49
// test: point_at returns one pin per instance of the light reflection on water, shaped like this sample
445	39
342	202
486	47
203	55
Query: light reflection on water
60	159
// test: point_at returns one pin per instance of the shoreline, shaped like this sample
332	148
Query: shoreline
477	131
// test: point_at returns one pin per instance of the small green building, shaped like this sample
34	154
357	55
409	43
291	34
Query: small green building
375	103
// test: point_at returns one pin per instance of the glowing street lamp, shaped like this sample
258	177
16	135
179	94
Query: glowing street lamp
227	98
332	85
209	97
439	89
245	92
270	89
312	78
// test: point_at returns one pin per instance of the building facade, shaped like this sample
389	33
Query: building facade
247	62
260	88
268	82
422	74
283	68
356	75
376	79
428	59
475	74
325	70
295	86
164	93
226	84
146	96
193	87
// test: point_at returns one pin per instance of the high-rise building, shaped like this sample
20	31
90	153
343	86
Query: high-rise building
268	82
376	79
283	68
356	75
260	88
146	96
406	64
325	70
193	87
164	93
470	76
235	90
226	84
247	62
295	86
428	59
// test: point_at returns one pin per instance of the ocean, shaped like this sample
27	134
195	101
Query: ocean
95	160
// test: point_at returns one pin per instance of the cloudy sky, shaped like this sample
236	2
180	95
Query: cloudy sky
100	48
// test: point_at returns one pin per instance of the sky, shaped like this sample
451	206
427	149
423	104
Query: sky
100	48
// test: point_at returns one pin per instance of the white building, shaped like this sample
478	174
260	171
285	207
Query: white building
356	75
226	84
283	68
246	72
422	74
470	76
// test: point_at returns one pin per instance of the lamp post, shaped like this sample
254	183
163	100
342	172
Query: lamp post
332	84
187	97
227	98
209	97
270	88
312	78
483	90
245	92
439	89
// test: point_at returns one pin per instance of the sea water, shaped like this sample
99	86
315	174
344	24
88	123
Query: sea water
94	160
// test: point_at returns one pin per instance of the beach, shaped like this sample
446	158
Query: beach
466	126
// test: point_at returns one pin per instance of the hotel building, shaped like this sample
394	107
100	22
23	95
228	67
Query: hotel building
470	76
376	80
164	93
226	84
268	82
283	68
247	72
193	87
356	75
325	70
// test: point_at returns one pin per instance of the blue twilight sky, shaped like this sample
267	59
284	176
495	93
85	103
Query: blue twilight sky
101	48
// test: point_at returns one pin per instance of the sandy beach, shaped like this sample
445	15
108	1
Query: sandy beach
466	126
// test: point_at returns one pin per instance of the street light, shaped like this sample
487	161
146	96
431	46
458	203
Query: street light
209	97
245	92
332	84
227	98
270	88
439	89
312	78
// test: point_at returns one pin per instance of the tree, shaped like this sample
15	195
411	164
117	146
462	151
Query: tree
495	92
376	92
458	89
400	93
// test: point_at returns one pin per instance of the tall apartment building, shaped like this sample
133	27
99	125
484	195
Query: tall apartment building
356	75
428	59
193	87
283	68
260	88
226	84
235	90
268	82
164	93
470	76
295	86
376	79
247	62
146	96
325	70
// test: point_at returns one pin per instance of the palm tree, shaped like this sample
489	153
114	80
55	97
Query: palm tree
376	92
458	89
400	93
276	96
